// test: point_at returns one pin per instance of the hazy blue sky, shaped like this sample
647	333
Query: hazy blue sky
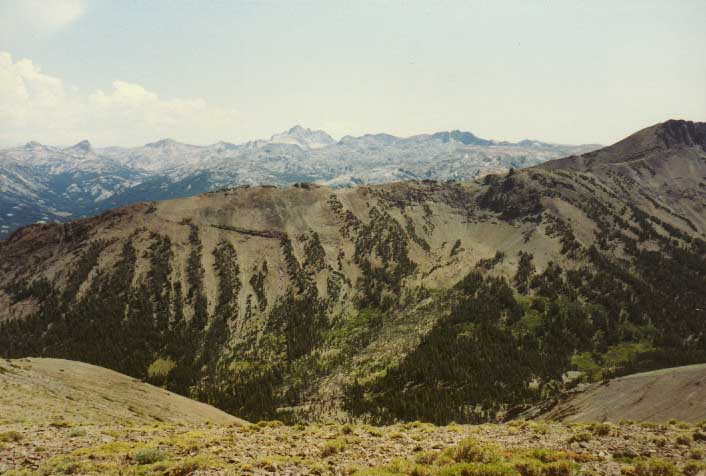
128	72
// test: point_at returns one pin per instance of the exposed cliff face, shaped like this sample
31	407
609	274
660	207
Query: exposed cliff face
373	301
683	133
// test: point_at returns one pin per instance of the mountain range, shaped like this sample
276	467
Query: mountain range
45	183
432	300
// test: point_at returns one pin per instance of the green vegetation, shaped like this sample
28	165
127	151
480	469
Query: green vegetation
332	447
160	368
655	467
10	436
631	300
472	458
149	456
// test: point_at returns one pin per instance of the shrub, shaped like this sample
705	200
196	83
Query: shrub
417	470
655	467
692	468
426	457
477	469
10	436
539	428
60	424
333	447
547	456
161	367
149	456
529	468
581	437
77	432
601	429
684	440
559	468
186	467
471	451
697	453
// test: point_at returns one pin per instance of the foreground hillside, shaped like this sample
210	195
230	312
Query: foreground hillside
63	417
56	392
417	300
521	449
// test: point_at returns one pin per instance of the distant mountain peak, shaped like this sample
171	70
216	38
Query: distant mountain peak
532	143
225	145
83	147
160	144
33	145
297	129
303	137
464	137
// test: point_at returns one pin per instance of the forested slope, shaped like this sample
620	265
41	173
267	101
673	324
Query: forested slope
415	300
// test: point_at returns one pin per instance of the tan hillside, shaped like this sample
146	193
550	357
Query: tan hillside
657	396
63	392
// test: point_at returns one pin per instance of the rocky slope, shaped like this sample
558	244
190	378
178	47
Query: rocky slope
268	447
658	396
415	300
43	183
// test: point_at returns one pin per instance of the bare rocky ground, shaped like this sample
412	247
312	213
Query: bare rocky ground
518	448
674	393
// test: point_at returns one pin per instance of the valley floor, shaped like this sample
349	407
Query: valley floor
518	448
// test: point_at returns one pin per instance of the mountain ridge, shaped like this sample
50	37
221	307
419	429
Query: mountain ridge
45	183
379	302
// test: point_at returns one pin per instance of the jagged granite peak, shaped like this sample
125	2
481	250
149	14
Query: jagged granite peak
83	146
223	145
464	137
378	139
161	144
303	137
94	180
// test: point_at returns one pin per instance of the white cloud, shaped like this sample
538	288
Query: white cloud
40	15
37	106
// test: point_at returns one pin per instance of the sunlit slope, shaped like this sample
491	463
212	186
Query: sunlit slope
662	395
55	391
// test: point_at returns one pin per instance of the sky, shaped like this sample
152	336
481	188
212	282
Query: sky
130	72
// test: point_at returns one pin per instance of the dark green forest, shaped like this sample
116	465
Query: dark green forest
495	343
